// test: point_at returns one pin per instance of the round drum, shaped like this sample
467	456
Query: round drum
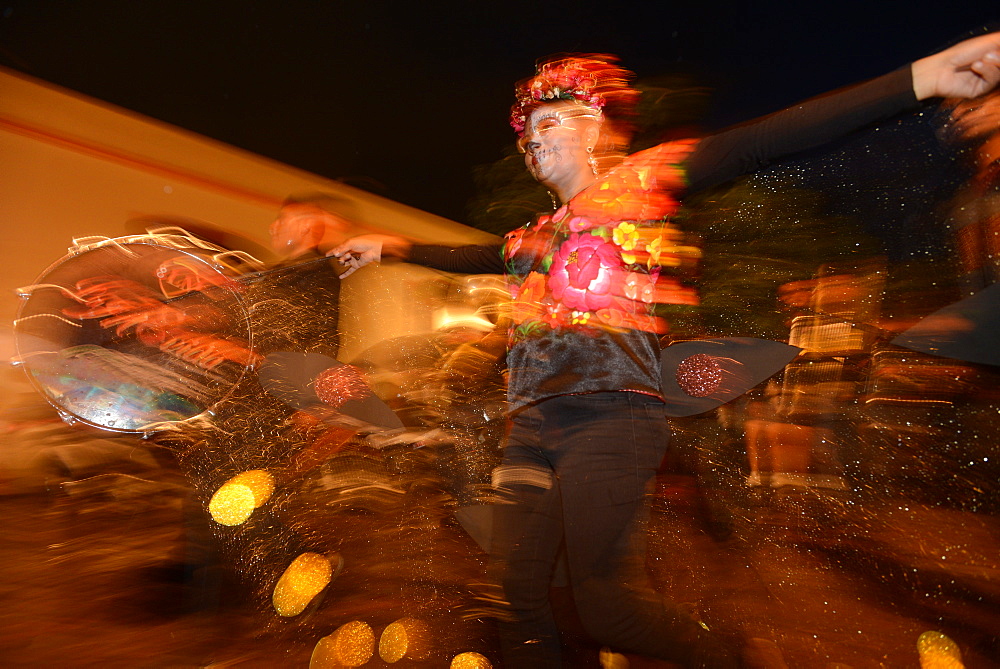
128	333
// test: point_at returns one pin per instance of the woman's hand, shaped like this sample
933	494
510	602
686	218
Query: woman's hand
967	70
357	252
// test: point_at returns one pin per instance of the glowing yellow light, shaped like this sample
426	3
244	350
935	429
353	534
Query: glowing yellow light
308	574
259	481
232	504
407	637
445	318
612	660
237	498
470	661
938	652
350	646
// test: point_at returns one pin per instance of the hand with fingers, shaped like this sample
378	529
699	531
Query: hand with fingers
359	251
967	70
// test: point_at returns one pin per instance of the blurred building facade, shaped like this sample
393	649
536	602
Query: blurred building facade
77	167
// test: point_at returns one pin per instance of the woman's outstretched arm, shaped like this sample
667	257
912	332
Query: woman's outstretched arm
357	252
967	69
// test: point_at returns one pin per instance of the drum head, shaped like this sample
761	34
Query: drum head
130	333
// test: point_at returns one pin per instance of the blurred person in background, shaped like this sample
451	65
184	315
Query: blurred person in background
302	288
307	223
975	124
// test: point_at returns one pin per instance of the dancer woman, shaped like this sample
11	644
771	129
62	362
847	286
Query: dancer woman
588	428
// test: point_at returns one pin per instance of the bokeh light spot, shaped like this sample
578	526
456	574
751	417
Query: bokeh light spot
308	574
937	651
237	498
470	661
232	504
351	645
407	637
259	481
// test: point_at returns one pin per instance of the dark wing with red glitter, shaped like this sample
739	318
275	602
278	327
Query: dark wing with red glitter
309	380
700	375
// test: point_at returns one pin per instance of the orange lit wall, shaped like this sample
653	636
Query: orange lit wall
74	167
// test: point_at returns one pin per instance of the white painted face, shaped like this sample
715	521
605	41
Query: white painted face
555	143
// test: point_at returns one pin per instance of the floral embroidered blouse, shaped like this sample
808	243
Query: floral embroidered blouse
584	280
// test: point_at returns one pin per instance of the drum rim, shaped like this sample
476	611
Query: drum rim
200	250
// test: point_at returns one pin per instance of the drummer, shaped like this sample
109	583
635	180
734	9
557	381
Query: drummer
295	303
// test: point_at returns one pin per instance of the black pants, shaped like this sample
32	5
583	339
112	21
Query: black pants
575	474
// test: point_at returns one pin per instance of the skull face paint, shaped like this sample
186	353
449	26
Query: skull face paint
554	145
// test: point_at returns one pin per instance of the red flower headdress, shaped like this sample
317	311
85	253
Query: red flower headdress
592	80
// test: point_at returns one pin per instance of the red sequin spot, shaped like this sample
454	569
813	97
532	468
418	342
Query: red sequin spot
699	375
336	385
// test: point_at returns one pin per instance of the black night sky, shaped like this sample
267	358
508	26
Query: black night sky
405	98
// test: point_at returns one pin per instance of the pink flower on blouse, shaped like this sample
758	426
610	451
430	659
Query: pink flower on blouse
641	287
584	270
581	223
